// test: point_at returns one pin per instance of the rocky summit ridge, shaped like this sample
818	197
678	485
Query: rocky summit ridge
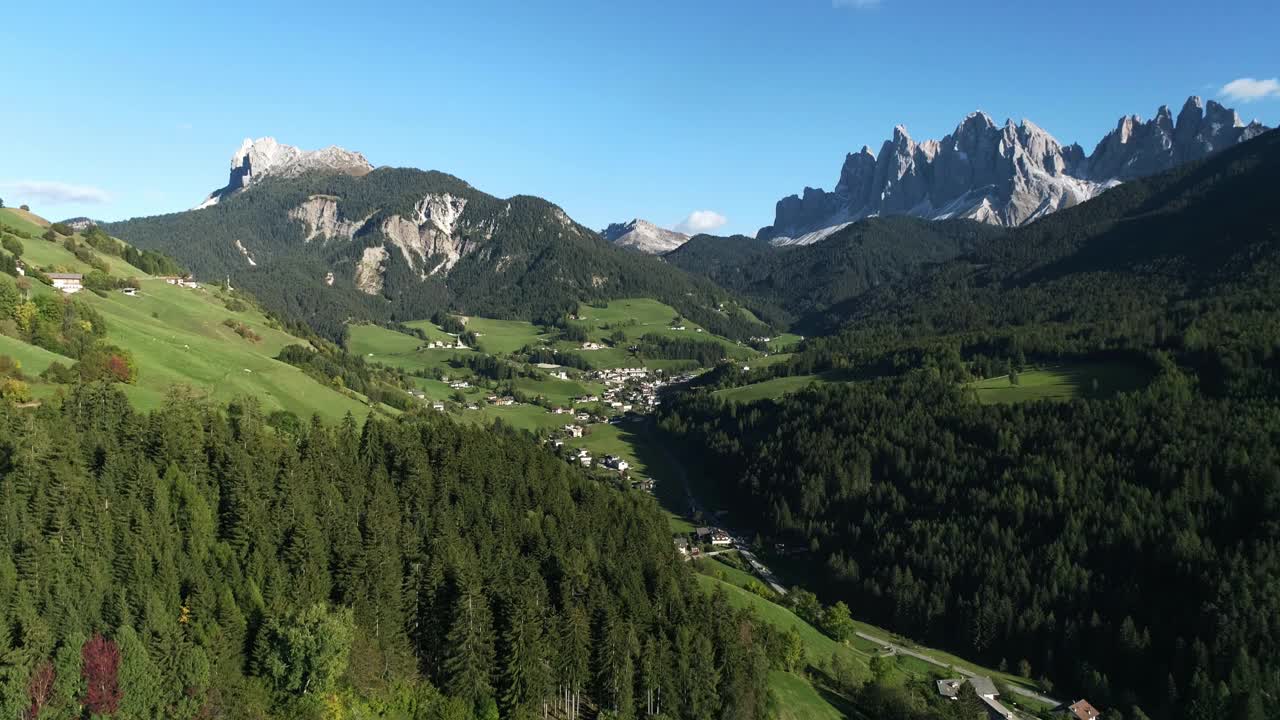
644	236
1002	174
258	159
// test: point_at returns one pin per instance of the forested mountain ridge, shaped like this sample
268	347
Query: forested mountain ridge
195	562
1124	545
400	244
801	283
1184	260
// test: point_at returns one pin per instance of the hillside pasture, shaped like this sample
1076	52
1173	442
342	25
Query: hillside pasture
33	360
504	337
177	337
377	344
1063	382
769	389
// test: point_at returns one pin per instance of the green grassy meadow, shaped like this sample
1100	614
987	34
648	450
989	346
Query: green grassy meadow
800	700
23	220
1062	383
377	344
786	342
33	360
504	337
557	391
40	253
722	570
177	337
637	317
769	389
430	329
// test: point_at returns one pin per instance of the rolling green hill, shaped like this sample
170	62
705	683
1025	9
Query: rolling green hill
177	336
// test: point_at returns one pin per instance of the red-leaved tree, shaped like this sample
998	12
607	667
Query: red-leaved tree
101	665
39	688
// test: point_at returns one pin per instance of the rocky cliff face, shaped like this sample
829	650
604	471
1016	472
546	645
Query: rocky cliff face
436	231
432	239
320	215
1004	175
644	236
264	157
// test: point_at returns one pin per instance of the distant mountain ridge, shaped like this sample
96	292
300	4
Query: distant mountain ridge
317	239
800	284
1002	175
644	236
259	159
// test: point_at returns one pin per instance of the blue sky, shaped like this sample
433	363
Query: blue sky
611	109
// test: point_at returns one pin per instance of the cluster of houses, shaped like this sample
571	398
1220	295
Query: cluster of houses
628	389
457	344
182	281
987	692
613	462
580	416
71	283
703	537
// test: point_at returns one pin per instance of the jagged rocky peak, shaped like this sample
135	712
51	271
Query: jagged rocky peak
1002	174
266	157
644	236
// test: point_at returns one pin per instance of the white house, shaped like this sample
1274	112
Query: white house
66	282
573	430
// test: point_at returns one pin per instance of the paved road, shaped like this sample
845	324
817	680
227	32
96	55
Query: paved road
765	573
963	671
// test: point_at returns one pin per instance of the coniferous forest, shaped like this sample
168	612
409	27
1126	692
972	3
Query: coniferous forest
1123	543
197	562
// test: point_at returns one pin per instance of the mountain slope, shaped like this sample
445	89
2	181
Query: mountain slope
174	336
1158	252
1003	175
1097	537
644	236
400	244
803	282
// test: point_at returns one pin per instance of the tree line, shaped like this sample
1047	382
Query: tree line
202	562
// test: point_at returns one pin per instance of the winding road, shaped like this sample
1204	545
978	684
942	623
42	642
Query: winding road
963	671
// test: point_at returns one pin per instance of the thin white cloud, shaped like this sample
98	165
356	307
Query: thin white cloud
1250	89
855	4
53	192
701	221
